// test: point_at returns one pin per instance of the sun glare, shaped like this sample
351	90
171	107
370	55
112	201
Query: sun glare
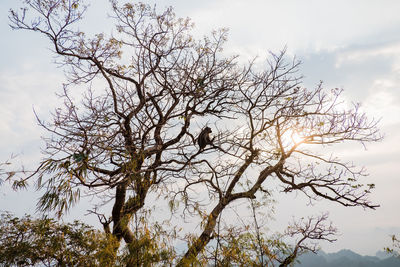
296	138
291	138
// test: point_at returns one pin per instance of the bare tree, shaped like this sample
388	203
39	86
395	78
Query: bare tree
137	133
312	229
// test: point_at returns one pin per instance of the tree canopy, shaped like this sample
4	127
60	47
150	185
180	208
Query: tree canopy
33	242
150	89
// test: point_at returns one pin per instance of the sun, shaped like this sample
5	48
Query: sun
291	138
296	137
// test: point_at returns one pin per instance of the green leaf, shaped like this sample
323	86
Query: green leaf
78	157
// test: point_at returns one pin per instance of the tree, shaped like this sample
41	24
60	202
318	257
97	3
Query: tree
248	245
134	137
308	229
44	242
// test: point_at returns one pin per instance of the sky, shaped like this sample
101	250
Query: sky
353	45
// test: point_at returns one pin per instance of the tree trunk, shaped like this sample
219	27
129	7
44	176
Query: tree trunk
199	244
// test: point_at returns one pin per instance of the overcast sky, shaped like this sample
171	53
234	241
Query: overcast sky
354	45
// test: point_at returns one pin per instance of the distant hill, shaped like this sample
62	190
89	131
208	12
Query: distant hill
346	258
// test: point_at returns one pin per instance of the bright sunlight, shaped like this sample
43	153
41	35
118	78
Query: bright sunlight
291	138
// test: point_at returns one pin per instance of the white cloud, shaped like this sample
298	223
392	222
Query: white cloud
381	89
390	50
382	102
319	25
19	94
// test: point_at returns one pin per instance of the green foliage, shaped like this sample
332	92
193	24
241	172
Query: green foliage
78	157
150	245
240	247
60	195
45	242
